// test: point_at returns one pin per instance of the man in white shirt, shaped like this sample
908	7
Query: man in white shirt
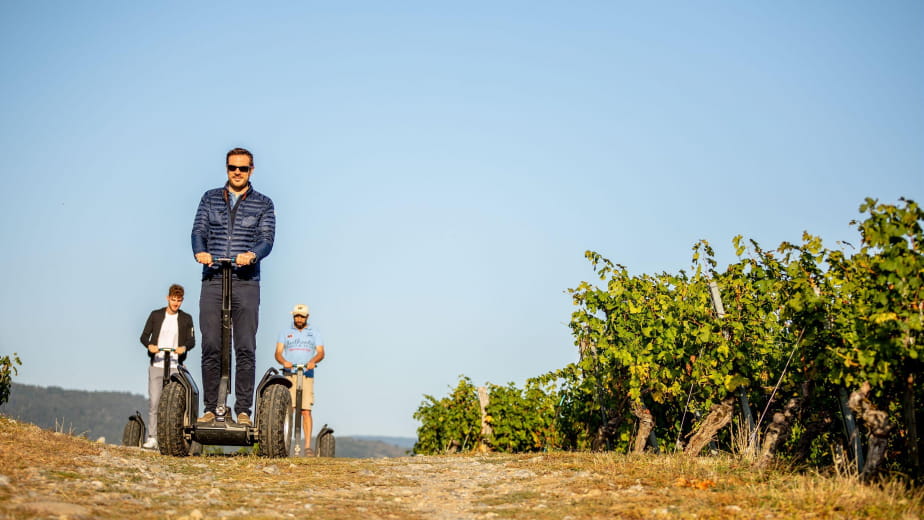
166	328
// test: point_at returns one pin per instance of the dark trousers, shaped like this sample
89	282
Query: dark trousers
245	307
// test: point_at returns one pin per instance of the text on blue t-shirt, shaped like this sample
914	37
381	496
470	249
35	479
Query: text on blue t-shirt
299	346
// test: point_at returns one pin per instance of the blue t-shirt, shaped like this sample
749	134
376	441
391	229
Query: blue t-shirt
300	346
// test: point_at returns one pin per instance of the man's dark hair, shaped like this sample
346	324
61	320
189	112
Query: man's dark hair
175	290
240	151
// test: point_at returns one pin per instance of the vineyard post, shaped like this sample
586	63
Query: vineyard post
716	296
653	441
853	436
746	409
911	424
486	431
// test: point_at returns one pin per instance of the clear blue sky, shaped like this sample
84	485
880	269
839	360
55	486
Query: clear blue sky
438	170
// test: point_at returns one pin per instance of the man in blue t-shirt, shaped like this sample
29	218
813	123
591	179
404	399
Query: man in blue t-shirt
301	345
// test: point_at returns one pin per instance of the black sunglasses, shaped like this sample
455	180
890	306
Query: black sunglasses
244	169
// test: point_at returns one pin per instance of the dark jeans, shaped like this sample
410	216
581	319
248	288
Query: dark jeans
245	306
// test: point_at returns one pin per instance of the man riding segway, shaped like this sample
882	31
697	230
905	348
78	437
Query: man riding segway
299	350
167	330
238	223
233	230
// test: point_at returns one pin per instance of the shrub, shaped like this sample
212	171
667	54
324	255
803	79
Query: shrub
7	371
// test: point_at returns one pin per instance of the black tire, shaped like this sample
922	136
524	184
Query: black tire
273	421
171	420
327	445
133	434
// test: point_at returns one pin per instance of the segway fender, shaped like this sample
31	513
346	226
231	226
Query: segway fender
272	377
135	431
325	442
192	391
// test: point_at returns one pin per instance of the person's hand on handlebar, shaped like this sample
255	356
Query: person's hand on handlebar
204	258
154	349
242	259
246	258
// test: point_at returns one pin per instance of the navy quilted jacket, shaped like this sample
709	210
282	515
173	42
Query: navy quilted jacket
225	231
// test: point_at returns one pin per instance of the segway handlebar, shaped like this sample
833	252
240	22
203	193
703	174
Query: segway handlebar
296	368
217	262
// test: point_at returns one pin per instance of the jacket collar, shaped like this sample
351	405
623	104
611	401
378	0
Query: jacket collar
243	196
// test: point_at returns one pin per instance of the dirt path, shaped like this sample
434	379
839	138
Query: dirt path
49	475
118	482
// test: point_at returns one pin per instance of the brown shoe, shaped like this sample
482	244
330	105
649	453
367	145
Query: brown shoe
309	452
244	419
207	417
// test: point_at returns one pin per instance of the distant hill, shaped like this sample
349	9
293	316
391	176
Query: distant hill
404	442
366	447
80	412
104	414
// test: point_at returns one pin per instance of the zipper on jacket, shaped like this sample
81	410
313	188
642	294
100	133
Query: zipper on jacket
232	217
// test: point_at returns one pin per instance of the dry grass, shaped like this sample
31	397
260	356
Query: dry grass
52	475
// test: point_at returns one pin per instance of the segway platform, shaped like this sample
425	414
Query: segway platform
223	432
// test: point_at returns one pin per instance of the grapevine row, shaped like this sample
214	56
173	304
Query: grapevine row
781	337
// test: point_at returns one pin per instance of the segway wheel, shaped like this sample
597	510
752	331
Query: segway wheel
327	445
274	416
171	419
133	433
